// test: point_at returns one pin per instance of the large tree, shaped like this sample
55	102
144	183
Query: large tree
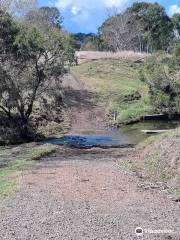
161	73
142	27
44	18
176	25
30	63
17	7
122	32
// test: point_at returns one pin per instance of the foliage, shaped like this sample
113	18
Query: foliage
118	88
31	63
176	24
157	25
44	18
17	7
88	42
161	73
142	27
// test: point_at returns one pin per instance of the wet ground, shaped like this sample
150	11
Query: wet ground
126	135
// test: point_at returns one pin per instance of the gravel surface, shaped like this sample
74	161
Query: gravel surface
81	194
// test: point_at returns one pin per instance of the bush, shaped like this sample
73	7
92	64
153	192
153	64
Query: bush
161	73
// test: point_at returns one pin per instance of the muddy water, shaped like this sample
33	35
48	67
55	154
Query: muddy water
130	134
133	132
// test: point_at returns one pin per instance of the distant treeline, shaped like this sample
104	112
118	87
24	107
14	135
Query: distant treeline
143	27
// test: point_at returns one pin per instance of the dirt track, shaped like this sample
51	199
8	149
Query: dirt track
83	194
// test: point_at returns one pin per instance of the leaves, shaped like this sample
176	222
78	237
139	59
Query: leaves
142	27
31	62
161	74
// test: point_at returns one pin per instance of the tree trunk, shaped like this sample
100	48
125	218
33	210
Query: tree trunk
23	127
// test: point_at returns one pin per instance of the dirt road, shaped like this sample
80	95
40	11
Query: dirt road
84	195
86	116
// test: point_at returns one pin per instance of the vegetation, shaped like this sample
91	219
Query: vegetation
17	7
14	160
88	42
176	24
32	63
118	88
142	27
161	73
160	160
44	18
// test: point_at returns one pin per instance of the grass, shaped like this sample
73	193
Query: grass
17	160
158	160
130	55
117	85
155	138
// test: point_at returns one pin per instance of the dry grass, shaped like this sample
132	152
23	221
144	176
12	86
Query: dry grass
159	159
95	55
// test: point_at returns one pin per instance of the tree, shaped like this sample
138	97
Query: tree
176	25
158	28
142	27
30	63
19	7
161	73
122	32
44	18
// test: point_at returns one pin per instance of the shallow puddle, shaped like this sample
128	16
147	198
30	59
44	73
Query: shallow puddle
130	134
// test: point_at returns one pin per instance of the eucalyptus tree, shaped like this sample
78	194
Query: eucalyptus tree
44	18
176	25
30	63
142	27
17	7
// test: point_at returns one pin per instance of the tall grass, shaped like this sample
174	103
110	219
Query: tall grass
95	55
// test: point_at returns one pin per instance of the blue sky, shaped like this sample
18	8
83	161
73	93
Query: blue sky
87	15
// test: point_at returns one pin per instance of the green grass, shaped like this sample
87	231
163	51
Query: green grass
19	159
114	81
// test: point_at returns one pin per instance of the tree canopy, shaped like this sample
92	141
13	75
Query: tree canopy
176	25
44	18
19	7
161	73
31	61
142	27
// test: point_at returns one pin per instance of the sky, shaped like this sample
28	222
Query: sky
88	15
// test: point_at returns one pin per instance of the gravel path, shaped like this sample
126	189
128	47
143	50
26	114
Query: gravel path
82	194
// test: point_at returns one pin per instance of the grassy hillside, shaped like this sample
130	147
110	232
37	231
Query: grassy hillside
118	88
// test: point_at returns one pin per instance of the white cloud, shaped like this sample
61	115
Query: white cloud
88	13
74	10
63	4
76	6
174	9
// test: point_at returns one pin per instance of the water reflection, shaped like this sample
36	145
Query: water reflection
130	134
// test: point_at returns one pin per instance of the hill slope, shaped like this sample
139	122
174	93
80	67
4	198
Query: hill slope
117	87
159	159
